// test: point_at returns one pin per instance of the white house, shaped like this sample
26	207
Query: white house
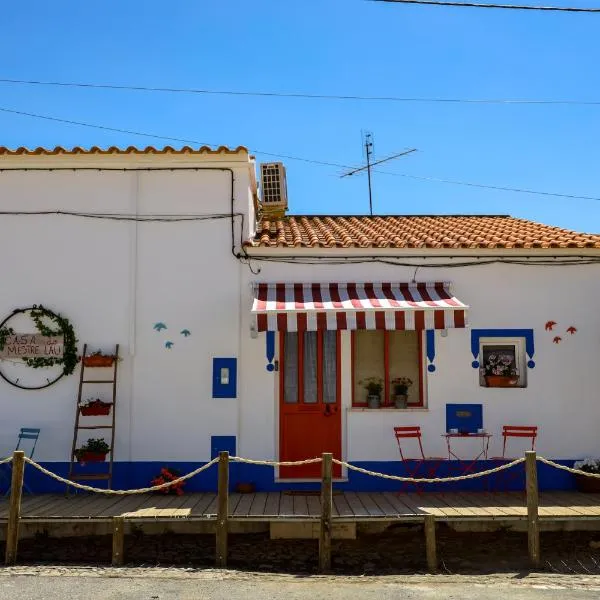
243	328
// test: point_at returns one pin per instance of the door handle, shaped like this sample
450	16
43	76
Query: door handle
330	410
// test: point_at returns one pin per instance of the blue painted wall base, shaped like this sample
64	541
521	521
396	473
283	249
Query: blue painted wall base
128	475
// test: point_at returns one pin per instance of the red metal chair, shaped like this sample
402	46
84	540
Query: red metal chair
514	431
413	466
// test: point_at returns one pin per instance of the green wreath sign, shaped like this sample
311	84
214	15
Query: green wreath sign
49	324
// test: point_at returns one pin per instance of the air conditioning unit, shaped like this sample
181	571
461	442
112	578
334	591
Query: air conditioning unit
273	188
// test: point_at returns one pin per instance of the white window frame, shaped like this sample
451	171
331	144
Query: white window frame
520	357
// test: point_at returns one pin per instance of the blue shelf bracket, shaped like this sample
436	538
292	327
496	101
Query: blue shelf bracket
477	334
270	343
430	349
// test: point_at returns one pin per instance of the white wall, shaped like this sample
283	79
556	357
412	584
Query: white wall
114	281
562	392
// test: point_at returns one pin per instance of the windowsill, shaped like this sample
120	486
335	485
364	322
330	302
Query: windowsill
387	409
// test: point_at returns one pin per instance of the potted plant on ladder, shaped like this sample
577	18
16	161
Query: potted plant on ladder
95	408
94	450
99	359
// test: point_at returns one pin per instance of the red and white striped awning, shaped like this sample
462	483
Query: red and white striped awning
332	306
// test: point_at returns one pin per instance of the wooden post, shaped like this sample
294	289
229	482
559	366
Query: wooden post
326	511
14	507
222	510
118	541
430	545
533	528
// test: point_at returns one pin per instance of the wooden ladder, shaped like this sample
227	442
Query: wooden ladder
83	381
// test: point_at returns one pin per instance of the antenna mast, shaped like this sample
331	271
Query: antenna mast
368	146
368	140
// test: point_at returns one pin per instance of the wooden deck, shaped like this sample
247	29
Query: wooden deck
276	506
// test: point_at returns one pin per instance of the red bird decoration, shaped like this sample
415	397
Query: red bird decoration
571	330
550	325
557	340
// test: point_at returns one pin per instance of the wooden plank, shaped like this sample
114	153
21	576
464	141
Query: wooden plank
557	505
472	505
111	506
356	506
257	509
445	504
286	506
314	507
146	509
234	500
211	509
272	504
420	505
370	504
118	541
173	508
300	506
243	507
14	510
502	504
341	505
385	506
36	506
400	507
204	501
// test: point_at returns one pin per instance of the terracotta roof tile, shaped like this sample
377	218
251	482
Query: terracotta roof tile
416	232
115	150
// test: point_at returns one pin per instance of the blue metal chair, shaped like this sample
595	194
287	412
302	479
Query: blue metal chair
26	433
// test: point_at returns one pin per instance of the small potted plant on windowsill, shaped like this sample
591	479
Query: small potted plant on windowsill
401	385
98	359
94	450
374	386
500	371
583	482
95	408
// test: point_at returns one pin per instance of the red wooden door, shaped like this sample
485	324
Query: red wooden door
310	419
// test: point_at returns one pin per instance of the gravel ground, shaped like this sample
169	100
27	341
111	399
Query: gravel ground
397	551
73	583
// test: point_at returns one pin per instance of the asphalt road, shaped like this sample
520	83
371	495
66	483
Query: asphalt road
109	584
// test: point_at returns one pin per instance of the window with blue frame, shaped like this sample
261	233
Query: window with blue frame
503	362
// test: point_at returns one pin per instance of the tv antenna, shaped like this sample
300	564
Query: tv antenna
367	141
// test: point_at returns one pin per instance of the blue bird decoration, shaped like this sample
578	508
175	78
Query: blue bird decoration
186	332
169	345
159	326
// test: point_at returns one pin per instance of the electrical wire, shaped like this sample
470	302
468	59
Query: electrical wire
123	217
297	158
299	95
502	6
472	262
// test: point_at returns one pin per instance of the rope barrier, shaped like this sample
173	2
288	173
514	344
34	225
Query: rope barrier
431	480
274	463
88	488
551	463
6	460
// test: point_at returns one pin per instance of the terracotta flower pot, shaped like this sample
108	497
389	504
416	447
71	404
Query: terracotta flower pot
89	457
95	360
501	380
587	484
245	488
95	410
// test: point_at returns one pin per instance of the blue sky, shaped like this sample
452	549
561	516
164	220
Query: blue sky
331	47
